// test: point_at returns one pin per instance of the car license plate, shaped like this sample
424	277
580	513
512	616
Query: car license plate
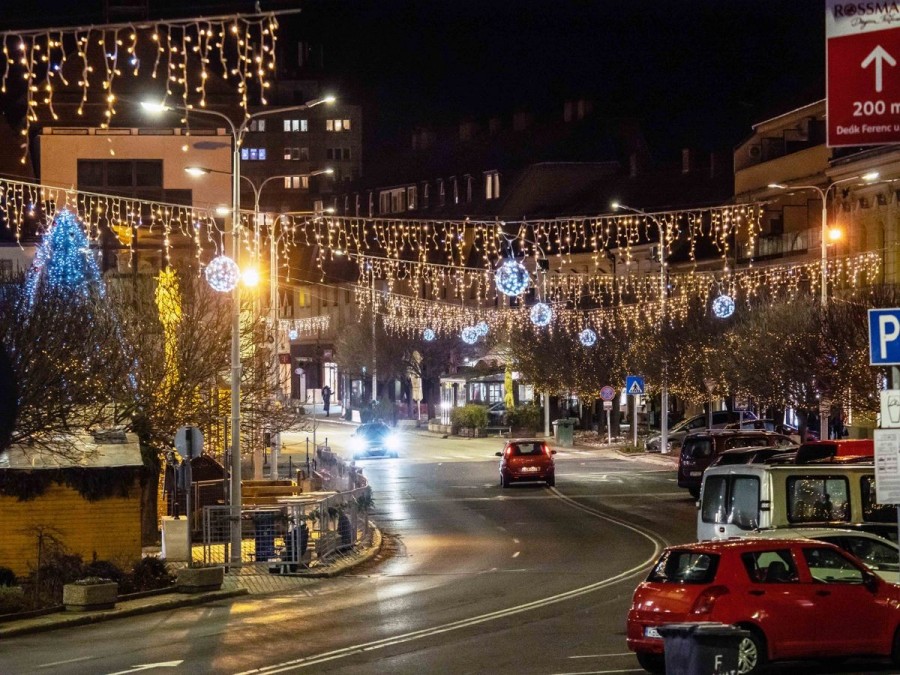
530	469
696	474
651	632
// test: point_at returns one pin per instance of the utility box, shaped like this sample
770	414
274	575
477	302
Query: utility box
702	647
563	431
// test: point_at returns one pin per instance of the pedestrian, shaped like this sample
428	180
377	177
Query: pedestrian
326	399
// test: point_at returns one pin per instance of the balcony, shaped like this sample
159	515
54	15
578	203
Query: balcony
780	245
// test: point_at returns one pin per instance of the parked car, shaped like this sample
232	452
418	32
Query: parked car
374	439
527	460
676	434
772	425
797	598
737	499
877	553
752	455
699	448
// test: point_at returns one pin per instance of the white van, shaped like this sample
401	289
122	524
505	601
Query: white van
737	499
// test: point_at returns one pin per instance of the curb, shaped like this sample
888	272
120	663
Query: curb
82	619
371	552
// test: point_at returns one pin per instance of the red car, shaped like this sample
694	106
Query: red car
798	598
527	460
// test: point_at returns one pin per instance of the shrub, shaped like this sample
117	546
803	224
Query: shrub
147	574
7	577
103	569
12	600
45	584
470	416
525	417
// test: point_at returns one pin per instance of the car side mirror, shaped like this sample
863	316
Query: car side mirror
498	454
870	581
553	452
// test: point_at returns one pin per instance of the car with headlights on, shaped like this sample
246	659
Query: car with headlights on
796	598
374	439
527	460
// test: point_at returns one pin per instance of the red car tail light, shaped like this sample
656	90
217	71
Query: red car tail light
546	449
707	599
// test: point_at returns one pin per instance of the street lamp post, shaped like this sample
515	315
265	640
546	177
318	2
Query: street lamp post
664	389
237	137
823	291
273	268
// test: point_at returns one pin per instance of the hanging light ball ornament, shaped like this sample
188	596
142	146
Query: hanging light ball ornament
469	335
428	335
481	328
222	274
587	337
292	334
541	314
512	278
723	306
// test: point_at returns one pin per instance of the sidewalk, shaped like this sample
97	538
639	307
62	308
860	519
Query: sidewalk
248	580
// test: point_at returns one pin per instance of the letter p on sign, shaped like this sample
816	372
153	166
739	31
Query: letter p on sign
884	337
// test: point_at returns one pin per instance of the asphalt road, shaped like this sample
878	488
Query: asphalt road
472	579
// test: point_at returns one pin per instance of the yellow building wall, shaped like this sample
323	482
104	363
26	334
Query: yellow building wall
109	528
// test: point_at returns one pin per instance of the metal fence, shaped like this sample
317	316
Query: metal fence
302	533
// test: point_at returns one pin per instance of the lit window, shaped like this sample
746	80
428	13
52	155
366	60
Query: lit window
296	182
492	185
296	125
411	198
257	125
253	154
337	125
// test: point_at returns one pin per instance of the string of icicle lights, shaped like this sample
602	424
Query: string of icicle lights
471	243
408	315
181	53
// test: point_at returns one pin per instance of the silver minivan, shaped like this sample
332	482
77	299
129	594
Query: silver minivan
737	499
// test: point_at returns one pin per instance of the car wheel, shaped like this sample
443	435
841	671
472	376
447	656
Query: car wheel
551	482
652	663
695	492
504	481
751	653
895	649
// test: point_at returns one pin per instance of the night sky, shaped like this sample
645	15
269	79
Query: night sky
697	73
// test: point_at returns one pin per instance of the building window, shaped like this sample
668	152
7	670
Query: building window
337	153
253	154
296	154
425	195
412	198
371	204
384	202
318	206
337	125
492	185
442	197
296	182
455	184
257	125
296	125
356	205
468	189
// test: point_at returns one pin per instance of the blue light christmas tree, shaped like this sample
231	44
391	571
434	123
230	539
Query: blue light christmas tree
63	262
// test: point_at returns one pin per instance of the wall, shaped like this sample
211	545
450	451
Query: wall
111	528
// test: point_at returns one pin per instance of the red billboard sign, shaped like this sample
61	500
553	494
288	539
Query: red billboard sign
863	66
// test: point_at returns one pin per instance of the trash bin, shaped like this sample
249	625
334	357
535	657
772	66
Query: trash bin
264	535
562	431
702	647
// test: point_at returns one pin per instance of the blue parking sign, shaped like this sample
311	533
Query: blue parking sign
884	337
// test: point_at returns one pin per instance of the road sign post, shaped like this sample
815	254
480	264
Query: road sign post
189	443
863	73
608	393
634	386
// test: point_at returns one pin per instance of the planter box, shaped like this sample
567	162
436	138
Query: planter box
469	432
199	579
85	597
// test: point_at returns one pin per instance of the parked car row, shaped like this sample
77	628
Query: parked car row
794	549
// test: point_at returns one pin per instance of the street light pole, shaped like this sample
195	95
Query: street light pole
823	262
664	388
237	137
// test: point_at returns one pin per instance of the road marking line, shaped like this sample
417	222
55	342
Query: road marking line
601	656
516	554
62	663
604	672
353	650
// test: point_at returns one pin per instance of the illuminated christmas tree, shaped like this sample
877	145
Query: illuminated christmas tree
63	262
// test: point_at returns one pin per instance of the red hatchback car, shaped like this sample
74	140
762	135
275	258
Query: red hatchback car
527	460
798	598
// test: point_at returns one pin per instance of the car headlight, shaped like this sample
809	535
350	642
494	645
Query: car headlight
357	444
392	442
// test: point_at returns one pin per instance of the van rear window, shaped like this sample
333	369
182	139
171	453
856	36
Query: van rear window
731	499
817	499
698	448
685	567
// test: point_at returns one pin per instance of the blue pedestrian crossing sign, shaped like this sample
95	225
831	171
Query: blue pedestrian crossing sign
634	385
884	337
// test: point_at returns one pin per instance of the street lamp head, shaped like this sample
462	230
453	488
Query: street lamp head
615	206
196	170
869	177
319	172
835	234
329	99
250	277
155	107
777	186
223	210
